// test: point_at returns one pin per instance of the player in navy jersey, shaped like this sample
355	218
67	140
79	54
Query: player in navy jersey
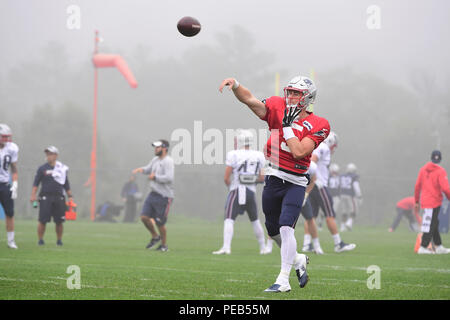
53	179
295	133
351	197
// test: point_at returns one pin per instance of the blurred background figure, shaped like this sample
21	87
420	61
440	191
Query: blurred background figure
9	154
333	185
405	208
351	197
107	211
130	195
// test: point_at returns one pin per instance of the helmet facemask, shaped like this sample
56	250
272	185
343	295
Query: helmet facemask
302	102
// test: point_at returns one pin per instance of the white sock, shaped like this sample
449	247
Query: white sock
269	244
228	228
337	239
288	250
277	240
316	243
306	239
349	222
10	236
259	233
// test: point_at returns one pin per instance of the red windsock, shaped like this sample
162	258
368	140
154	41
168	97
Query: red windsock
101	60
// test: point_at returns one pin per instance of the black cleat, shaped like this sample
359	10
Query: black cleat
302	275
59	243
153	242
41	242
163	248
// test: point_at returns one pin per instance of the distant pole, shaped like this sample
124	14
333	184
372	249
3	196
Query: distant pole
312	75
94	135
277	84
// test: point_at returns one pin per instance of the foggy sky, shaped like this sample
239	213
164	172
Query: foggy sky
320	34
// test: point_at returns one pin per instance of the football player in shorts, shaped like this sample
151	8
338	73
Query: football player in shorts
320	196
351	197
295	133
53	179
9	154
311	241
246	166
156	207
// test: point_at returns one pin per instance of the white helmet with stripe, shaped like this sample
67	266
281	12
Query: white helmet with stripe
5	133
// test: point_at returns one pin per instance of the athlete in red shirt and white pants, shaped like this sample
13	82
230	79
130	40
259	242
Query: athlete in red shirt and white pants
295	133
431	183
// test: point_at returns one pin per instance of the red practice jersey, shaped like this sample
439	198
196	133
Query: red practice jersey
406	203
277	150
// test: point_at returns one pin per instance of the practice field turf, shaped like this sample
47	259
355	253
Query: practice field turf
115	265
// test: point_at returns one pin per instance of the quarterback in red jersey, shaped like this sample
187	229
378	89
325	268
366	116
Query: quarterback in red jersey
295	133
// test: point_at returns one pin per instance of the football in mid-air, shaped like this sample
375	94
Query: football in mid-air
189	26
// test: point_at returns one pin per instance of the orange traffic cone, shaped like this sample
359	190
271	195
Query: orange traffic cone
418	242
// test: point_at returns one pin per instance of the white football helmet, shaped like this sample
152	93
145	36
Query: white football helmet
244	138
351	168
5	133
306	87
334	168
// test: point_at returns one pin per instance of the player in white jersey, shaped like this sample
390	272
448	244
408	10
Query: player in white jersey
9	154
307	213
333	185
320	197
246	166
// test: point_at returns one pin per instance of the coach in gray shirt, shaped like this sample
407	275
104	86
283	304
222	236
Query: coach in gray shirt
157	204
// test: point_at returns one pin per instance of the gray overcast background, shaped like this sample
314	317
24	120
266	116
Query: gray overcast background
385	92
320	34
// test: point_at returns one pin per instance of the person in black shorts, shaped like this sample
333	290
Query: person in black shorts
53	179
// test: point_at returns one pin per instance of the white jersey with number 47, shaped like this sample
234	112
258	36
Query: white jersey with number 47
323	154
8	154
247	163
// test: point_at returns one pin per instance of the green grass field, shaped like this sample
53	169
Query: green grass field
115	265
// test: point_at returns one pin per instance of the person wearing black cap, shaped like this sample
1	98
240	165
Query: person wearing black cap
54	180
431	182
157	204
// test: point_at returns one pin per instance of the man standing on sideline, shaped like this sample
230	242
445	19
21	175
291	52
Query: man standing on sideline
129	191
156	206
246	166
431	182
9	154
295	133
53	179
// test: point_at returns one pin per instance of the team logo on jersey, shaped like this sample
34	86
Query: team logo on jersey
307	125
320	133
